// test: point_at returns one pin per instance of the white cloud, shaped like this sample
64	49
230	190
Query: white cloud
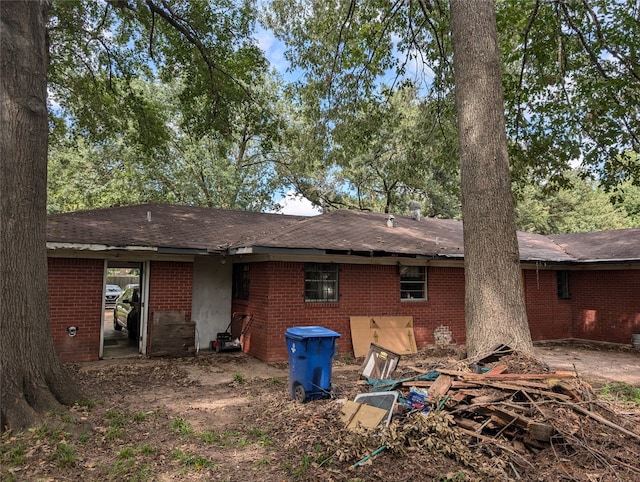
273	50
298	205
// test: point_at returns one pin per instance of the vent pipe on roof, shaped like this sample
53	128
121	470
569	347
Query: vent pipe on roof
390	220
148	216
414	208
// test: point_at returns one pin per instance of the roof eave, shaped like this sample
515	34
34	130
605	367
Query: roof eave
53	246
170	250
608	261
349	252
273	250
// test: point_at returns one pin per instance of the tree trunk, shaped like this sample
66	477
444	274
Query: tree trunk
494	297
32	379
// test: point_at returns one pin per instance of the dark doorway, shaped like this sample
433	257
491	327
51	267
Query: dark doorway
118	342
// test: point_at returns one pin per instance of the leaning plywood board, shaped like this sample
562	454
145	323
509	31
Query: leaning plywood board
395	333
354	414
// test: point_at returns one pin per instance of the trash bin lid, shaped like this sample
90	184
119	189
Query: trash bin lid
304	332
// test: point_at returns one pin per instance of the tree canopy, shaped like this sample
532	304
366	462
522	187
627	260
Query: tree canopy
580	207
159	101
570	76
133	82
228	170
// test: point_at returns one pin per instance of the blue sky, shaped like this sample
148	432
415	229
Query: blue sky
273	49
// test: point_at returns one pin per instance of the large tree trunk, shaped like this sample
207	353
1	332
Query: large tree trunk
494	296
32	380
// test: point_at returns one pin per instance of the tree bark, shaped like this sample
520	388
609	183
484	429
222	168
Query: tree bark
495	309
32	379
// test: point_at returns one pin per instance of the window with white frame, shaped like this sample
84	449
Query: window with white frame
320	282
413	283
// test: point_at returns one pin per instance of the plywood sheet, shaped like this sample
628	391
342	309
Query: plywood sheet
354	413
395	333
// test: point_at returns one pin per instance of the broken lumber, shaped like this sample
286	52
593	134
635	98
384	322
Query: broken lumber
536	430
440	386
603	420
508	376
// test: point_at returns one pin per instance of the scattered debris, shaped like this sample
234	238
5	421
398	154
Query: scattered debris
356	414
418	399
506	404
244	422
380	363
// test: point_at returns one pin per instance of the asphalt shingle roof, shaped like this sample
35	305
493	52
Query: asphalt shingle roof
215	230
165	226
614	245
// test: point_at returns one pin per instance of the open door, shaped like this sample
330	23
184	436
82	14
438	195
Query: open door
124	319
144	305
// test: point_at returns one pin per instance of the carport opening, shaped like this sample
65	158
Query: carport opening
121	320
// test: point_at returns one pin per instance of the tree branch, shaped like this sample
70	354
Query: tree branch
525	54
624	60
599	68
188	32
426	10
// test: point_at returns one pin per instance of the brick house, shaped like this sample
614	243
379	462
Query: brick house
291	270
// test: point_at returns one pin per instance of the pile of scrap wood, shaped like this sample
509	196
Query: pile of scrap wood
516	405
512	405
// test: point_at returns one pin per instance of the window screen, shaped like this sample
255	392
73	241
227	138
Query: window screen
320	282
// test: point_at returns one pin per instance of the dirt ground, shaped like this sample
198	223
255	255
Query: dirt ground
597	363
230	417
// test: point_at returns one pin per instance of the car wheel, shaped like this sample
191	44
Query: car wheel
116	325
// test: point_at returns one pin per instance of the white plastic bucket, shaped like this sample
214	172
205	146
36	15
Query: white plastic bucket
635	339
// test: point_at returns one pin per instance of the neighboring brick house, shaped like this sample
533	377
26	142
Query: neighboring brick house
291	270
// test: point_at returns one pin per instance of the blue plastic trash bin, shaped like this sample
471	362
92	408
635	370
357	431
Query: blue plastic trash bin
311	350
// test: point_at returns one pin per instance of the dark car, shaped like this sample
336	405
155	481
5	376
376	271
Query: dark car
126	314
111	294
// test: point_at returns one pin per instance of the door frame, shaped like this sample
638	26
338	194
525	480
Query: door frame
145	273
145	269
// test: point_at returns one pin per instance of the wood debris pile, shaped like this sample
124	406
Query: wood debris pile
516	409
515	406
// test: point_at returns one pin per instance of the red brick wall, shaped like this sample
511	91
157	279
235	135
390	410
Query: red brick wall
549	317
75	299
260	335
606	304
277	302
445	306
170	287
